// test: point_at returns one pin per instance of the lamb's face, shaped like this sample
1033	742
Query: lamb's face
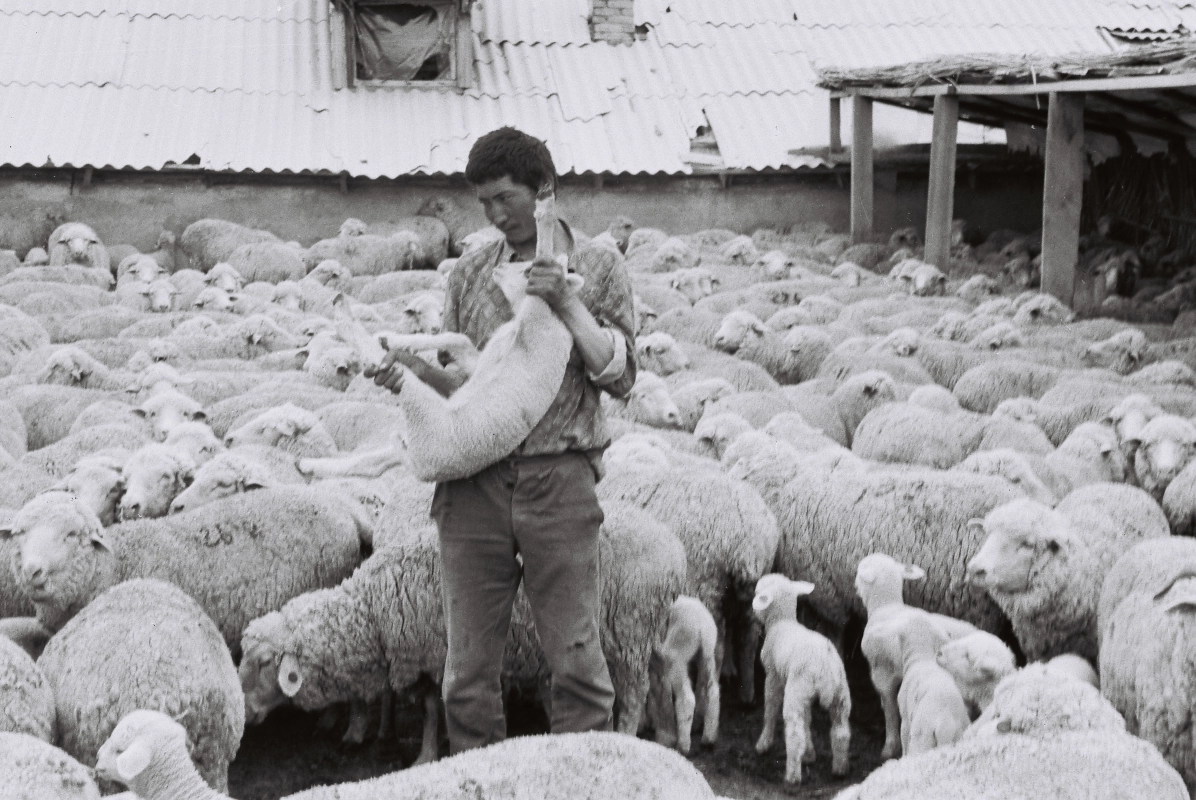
879	578
197	441
213	299
1097	444
1166	445
651	403
1130	416
79	241
694	284
928	281
424	314
720	430
775	595
161	295
659	353
140	745
632	452
1122	352
774	265
98	484
736	328
154	476
977	659
56	536
1022	536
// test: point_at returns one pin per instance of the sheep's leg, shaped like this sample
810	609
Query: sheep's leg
359	720
747	663
683	705
726	668
429	748
887	689
385	719
328	718
799	745
711	706
632	703
840	739
773	688
367	464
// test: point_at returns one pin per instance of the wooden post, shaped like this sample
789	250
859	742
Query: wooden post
1063	190
836	125
941	200
861	169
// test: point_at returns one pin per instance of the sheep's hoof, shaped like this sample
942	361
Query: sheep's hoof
793	776
808	756
763	745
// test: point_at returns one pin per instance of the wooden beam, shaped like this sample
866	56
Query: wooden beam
1063	190
836	125
940	203
861	169
1131	83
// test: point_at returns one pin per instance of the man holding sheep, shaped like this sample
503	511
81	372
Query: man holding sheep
539	502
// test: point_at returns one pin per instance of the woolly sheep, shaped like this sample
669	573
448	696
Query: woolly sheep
26	704
209	241
168	409
148	752
226	414
153	476
658	352
214	299
97	481
800	667
288	427
1045	566
977	662
1163	372
977	288
49	410
729	534
67	558
353	423
1042	309
76	243
693	283
367	254
689	643
935	398
1041	737
70	366
272	262
673	253
1145	651
693	398
58	459
933	713
1057	422
1122	352
830	521
689	324
31	769
743	335
1179	501
741	251
983	387
137	268
705	363
156	296
20	334
1162	448
395	284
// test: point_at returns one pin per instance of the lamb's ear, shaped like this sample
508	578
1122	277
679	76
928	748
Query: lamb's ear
133	761
761	602
976	522
249	484
290	677
199	416
801	587
912	572
5	531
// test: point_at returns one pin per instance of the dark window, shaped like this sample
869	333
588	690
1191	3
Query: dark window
403	41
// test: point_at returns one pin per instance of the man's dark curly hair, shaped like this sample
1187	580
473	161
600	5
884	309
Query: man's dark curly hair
512	153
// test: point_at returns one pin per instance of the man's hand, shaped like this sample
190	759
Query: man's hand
389	373
546	280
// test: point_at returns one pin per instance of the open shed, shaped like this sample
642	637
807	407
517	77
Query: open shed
1149	91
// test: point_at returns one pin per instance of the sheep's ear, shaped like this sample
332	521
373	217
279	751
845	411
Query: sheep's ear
133	761
801	587
757	327
6	532
290	677
140	412
99	540
1106	448
912	572
249	484
976	522
715	282
674	282
1180	595
761	602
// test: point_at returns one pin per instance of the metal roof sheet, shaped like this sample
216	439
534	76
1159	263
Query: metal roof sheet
247	84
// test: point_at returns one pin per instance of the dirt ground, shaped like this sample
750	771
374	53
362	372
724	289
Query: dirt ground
287	753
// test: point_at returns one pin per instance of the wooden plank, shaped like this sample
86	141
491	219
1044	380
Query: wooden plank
940	202
836	125
861	169
1126	84
1063	190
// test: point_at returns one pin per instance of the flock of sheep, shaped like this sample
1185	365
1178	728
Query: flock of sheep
208	513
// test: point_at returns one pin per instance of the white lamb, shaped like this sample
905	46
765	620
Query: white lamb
688	646
933	713
977	662
800	667
743	335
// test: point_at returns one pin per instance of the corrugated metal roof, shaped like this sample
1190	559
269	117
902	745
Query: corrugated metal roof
247	84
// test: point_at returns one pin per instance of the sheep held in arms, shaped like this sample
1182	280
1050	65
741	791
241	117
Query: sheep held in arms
517	377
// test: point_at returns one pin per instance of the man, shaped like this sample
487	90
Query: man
539	502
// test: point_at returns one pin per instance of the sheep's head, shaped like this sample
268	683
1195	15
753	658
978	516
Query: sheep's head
718	430
353	227
1013	467
1023	536
1020	409
274	427
68	366
154	476
977	288
659	353
997	337
161	294
196	440
741	250
935	398
693	397
331	273
1016	247
142	748
694	283
776	597
288	294
268	664
905	237
1043	309
1038	701
977	660
1165	445
849	272
620	230
761	460
334	365
58	540
167	409
76	243
737	328
903	343
650	402
139	267
645	315
512	279
97	481
675	253
1164	372
879	579
774	265
36	257
637	451
225	277
259	330
1122	352
1097	445
166	240
928	281
224	475
996	307
213	299
423	314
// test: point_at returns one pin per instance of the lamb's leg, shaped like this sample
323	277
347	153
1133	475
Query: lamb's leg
713	701
840	739
385	719
367	464
773	689
799	746
429	748
683	704
887	688
747	663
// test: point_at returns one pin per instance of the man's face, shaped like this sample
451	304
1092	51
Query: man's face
510	207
